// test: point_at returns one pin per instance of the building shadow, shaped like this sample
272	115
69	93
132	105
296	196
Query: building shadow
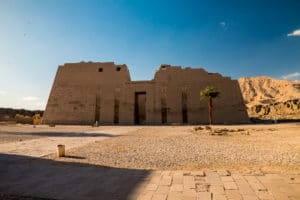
257	120
61	134
44	178
74	157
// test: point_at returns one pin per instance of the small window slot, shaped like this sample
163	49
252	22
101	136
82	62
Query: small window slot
100	69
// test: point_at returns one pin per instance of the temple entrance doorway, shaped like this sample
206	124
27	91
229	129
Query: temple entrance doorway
140	108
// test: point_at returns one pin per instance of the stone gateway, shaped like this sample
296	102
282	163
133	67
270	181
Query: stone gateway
87	92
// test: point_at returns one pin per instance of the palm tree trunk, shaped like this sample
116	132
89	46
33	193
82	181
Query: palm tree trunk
210	111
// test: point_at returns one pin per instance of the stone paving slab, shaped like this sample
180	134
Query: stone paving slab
225	185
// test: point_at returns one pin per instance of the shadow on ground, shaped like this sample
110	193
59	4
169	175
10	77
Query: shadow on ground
43	178
257	120
60	134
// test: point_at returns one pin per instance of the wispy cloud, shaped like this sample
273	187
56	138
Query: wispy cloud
224	25
33	103
294	33
2	93
30	98
292	76
41	104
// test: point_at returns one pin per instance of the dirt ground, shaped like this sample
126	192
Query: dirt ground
274	147
266	147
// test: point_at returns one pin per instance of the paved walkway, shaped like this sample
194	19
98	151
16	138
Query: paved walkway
220	185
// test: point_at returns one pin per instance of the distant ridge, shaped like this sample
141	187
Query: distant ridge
8	114
267	97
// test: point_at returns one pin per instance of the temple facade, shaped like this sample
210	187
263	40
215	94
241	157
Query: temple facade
86	92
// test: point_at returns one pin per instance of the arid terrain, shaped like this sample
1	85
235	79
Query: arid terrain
267	147
275	147
269	98
150	162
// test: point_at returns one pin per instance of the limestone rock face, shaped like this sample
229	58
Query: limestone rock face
85	93
270	98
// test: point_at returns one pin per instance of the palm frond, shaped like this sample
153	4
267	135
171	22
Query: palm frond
209	92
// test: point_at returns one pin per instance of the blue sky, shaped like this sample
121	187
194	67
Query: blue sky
235	38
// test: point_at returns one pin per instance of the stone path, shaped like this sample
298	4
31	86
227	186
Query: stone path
48	144
220	185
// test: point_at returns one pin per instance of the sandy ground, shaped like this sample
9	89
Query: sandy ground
27	140
267	147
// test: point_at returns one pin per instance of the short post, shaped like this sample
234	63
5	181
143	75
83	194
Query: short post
61	150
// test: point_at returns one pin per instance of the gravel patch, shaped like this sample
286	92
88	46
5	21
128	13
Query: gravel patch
181	147
7	137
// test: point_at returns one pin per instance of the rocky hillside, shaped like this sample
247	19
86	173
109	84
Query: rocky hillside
270	98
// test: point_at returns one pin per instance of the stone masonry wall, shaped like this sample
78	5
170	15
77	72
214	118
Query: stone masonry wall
83	93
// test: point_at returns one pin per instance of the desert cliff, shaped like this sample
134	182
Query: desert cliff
270	98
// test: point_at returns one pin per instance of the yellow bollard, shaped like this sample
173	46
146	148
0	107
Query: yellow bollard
61	150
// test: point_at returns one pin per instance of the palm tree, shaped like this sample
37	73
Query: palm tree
209	93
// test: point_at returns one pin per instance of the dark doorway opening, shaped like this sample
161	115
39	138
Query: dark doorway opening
116	111
97	109
140	108
184	108
164	111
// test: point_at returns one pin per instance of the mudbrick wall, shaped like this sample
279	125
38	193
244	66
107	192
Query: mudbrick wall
86	92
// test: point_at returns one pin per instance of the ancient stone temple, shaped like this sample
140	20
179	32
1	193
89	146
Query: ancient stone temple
86	92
